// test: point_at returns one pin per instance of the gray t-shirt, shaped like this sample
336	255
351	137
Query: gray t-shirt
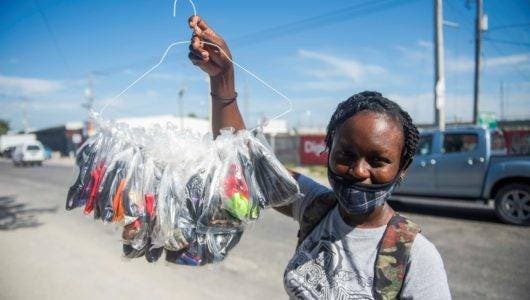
336	261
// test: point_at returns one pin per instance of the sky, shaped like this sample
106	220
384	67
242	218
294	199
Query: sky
317	53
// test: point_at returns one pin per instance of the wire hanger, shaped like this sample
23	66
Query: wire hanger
113	99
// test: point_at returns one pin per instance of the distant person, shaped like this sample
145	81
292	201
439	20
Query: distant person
352	245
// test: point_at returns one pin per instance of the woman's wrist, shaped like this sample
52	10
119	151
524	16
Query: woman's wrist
222	85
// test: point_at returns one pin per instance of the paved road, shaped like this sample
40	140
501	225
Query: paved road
49	253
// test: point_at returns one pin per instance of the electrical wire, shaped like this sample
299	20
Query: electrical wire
297	26
29	14
326	19
506	42
54	39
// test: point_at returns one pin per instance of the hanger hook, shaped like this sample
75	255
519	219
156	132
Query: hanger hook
175	8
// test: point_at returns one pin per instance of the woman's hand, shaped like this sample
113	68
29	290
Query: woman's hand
211	59
214	60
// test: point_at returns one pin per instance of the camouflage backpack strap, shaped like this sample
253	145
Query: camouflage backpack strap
393	256
314	213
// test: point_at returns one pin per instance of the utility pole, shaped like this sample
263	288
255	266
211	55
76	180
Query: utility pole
478	62
88	105
439	77
89	94
25	122
181	107
502	100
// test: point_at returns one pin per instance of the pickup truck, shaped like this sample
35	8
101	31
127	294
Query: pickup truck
471	163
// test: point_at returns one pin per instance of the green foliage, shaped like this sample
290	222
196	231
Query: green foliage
4	126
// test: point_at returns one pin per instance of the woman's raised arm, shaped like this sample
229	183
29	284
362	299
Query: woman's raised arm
214	61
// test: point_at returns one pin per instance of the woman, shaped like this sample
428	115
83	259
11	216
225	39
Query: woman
352	245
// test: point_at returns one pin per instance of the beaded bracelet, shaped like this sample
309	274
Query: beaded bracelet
224	101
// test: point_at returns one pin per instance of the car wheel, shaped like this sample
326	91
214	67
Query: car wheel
39	163
512	204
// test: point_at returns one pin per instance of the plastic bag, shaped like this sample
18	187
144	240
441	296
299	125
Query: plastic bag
226	192
178	192
165	231
97	172
277	185
113	184
84	164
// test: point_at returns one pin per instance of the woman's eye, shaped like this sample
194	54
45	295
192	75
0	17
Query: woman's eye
379	162
346	153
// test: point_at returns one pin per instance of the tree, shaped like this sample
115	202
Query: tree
4	126
192	115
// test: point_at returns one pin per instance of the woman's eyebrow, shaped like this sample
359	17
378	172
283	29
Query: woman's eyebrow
381	151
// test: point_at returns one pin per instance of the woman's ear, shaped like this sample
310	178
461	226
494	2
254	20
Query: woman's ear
401	176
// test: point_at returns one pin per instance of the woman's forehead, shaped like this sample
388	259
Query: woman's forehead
377	129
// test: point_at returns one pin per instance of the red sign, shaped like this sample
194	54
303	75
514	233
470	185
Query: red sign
311	148
517	141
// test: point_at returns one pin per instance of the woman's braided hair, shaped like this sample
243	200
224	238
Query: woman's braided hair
375	102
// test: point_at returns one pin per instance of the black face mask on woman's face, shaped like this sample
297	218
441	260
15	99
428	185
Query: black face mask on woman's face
358	198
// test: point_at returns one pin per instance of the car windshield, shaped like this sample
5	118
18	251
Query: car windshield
33	148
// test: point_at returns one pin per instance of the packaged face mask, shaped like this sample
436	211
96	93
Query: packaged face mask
277	186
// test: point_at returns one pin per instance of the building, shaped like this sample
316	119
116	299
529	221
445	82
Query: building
64	139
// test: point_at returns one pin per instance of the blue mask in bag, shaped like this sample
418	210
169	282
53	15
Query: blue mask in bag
358	198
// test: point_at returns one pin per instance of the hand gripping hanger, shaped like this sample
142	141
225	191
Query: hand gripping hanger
112	100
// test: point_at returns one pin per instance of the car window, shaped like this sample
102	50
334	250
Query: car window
497	140
460	142
425	145
32	148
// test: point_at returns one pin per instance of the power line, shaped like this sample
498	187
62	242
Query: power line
326	19
507	42
54	38
30	14
509	26
521	73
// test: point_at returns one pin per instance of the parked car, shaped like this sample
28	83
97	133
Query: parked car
8	141
7	152
28	153
471	163
47	153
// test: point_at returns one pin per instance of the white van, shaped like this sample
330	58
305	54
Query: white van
28	153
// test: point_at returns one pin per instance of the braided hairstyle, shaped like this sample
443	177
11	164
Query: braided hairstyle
375	102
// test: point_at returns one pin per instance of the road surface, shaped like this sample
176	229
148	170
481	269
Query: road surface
50	253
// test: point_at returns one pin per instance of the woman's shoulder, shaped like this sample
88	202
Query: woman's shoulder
426	277
423	248
311	193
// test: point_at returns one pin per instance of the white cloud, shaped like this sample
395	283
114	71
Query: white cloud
322	85
418	105
342	67
129	71
459	64
467	64
508	60
28	86
426	44
422	52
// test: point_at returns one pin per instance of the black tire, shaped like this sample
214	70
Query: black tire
512	204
